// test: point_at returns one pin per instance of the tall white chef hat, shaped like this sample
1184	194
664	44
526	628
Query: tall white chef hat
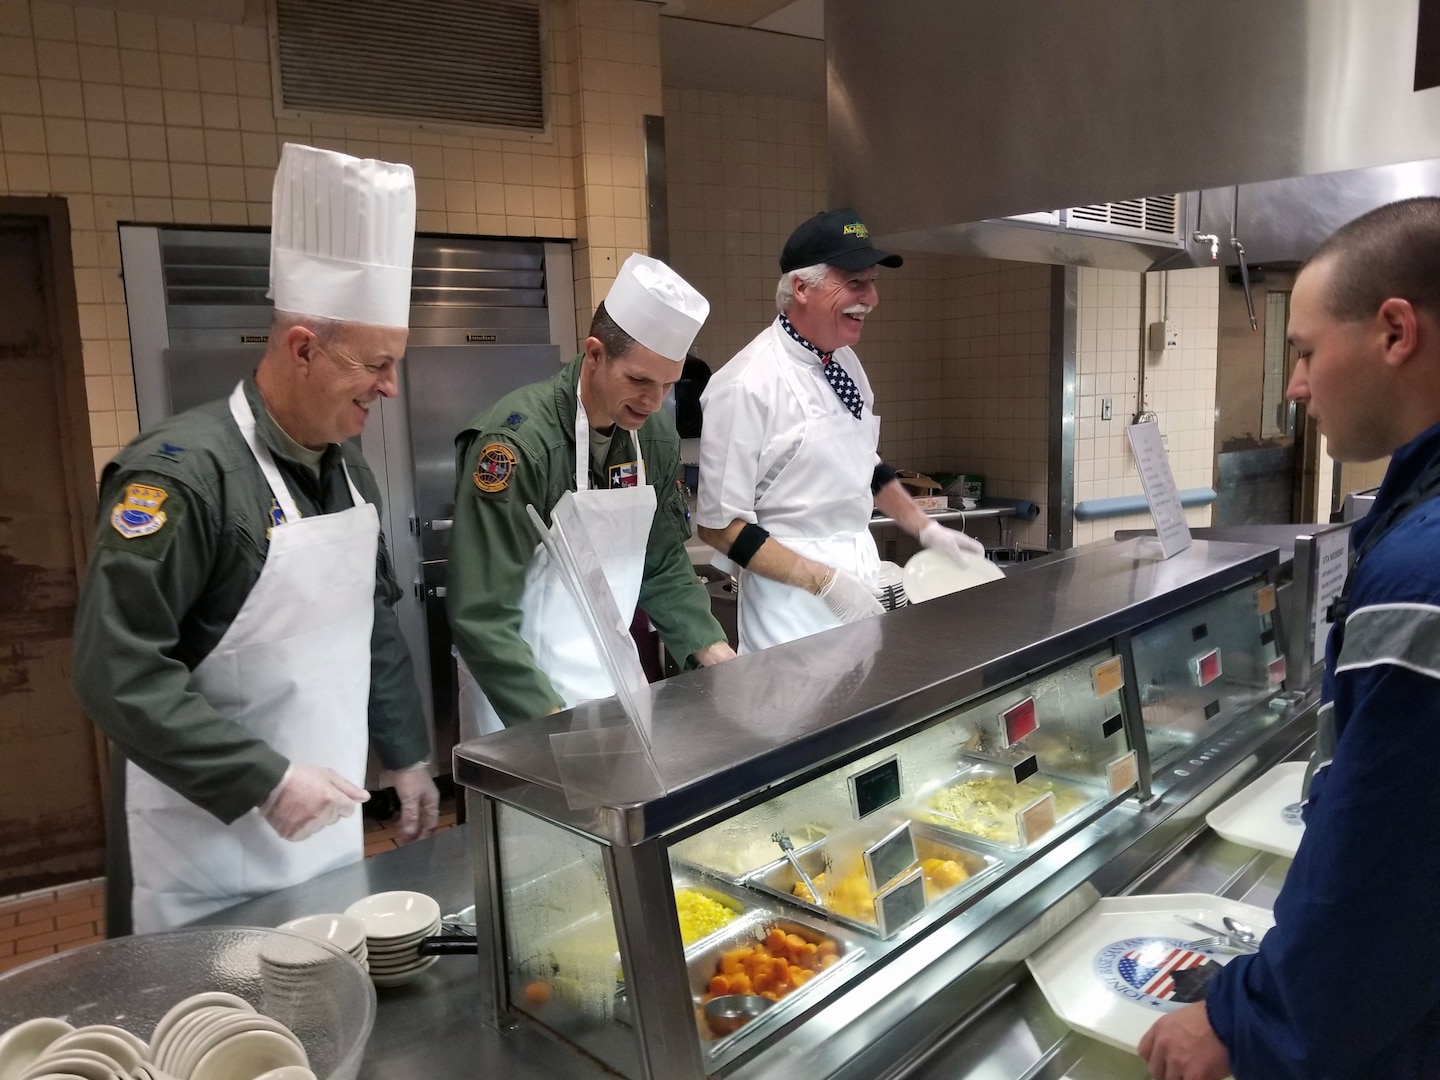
342	237
656	307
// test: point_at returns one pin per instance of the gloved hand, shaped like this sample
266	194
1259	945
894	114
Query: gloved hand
308	798
951	542
847	597
419	801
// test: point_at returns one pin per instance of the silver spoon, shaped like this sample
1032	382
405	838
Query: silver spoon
1241	931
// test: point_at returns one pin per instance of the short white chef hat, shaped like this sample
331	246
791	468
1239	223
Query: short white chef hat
656	307
342	237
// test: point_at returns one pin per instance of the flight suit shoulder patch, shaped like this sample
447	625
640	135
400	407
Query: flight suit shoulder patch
145	520
139	512
494	468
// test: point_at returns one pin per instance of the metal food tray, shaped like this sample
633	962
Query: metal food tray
779	878
947	824
750	928
682	877
691	854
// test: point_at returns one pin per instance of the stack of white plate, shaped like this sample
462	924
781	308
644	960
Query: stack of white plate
395	923
890	590
343	931
218	1036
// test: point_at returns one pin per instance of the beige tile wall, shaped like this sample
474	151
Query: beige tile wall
139	118
1179	386
996	380
742	171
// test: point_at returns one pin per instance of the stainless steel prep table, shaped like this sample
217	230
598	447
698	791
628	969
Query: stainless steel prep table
431	1027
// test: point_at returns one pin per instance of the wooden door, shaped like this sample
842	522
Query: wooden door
51	802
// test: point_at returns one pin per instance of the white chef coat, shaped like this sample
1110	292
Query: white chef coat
764	411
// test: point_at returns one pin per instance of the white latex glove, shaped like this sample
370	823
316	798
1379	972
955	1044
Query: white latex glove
419	801
951	542
308	798
847	597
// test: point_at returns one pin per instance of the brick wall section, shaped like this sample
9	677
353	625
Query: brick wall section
39	924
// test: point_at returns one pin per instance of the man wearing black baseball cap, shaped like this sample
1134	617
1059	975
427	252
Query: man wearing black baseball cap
789	470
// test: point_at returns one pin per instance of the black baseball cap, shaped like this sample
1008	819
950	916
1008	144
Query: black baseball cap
837	237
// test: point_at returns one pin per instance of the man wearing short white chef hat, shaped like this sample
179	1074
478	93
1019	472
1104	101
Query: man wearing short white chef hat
595	428
235	636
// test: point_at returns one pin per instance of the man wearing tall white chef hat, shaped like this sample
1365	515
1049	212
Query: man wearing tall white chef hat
235	635
595	428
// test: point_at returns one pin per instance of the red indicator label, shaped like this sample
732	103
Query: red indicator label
1206	668
1019	721
1277	671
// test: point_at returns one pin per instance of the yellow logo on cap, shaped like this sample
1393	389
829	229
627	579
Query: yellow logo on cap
140	513
493	471
856	228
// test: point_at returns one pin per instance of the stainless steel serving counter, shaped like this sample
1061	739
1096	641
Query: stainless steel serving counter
431	1028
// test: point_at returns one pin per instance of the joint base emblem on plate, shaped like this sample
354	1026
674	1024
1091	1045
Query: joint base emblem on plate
140	513
1159	972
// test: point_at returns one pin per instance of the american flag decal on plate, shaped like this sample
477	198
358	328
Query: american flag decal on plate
1159	972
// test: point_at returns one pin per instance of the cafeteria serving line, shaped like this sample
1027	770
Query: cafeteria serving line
1039	826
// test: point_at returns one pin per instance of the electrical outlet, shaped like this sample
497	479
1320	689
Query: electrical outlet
1164	334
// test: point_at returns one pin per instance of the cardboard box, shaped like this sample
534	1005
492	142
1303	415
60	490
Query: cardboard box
917	483
933	502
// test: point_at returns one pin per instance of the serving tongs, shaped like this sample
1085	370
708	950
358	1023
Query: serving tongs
456	937
783	839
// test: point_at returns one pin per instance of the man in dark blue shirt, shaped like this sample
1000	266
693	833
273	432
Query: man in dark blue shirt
1347	984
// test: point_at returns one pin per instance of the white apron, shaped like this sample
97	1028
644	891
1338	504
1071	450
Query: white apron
294	670
618	522
837	530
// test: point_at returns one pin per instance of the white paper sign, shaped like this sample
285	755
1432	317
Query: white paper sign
1332	563
1160	491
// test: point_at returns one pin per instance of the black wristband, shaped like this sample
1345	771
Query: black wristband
882	476
747	544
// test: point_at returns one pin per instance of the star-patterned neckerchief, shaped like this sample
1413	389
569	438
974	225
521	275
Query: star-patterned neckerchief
838	378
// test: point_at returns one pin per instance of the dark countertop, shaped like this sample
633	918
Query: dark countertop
430	1028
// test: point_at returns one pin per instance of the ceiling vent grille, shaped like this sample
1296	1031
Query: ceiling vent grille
469	62
1156	217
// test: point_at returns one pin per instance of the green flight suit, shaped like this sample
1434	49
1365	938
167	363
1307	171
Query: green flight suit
152	607
493	540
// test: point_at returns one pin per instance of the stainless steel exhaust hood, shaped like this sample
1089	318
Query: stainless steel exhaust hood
945	118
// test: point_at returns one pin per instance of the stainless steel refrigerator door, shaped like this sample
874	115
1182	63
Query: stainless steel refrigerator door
446	386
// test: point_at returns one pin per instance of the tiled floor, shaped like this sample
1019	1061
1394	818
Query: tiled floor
41	923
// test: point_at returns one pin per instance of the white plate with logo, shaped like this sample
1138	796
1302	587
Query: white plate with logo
1265	814
1122	965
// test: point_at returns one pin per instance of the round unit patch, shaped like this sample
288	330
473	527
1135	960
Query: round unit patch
496	466
1154	971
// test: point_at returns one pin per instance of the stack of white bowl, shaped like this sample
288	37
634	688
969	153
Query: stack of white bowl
395	923
210	1036
218	1036
343	931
